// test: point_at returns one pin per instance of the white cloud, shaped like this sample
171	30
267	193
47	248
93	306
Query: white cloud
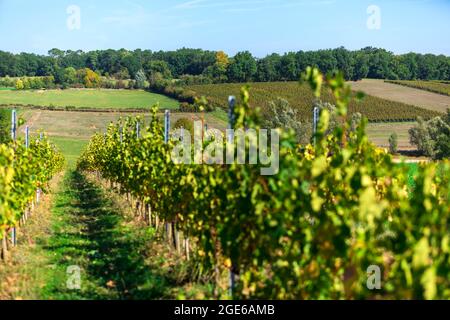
189	4
249	5
154	20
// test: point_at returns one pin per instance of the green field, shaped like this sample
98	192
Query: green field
87	98
441	87
301	98
71	148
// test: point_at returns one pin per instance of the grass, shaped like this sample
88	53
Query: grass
379	134
82	125
70	148
29	268
94	230
87	98
220	114
301	98
90	235
72	130
116	254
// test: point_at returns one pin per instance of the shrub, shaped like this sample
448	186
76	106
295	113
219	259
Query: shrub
131	84
393	143
91	79
77	86
141	79
120	84
281	115
172	90
432	137
19	84
186	107
186	124
194	79
108	84
7	82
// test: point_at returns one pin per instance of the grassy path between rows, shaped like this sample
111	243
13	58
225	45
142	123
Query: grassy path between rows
85	228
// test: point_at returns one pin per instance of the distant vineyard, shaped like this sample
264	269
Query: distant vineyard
302	98
441	87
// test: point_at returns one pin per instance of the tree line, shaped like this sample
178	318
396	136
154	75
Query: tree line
203	66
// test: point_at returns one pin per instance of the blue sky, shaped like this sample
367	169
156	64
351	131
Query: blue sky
261	26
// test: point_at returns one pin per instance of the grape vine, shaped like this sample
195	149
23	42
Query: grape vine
22	172
309	232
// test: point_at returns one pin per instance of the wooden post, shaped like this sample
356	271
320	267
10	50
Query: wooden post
232	278
149	214
186	246
13	236
177	240
138	208
169	233
4	248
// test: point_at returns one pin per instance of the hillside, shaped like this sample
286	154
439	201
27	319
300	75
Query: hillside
403	94
301	98
86	98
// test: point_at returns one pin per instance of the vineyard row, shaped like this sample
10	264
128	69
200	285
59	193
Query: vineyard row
335	210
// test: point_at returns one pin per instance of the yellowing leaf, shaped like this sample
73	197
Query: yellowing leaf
316	202
428	282
319	166
421	253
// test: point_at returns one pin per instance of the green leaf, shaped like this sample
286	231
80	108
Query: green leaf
428	282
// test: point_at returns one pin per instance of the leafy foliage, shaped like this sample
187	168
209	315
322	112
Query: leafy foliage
312	230
186	124
393	143
22	171
124	64
5	125
281	115
140	79
432	137
242	68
